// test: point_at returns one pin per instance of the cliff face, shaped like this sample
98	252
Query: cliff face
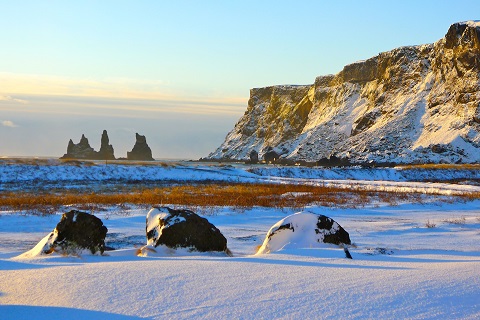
413	104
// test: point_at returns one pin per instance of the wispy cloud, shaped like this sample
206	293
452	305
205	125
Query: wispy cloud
49	94
11	99
8	123
124	108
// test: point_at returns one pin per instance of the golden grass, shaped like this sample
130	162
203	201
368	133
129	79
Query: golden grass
441	166
208	196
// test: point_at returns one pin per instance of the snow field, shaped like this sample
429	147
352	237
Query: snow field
427	273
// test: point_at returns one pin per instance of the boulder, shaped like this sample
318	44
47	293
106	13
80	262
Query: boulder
141	150
333	161
76	232
270	156
253	156
304	230
183	229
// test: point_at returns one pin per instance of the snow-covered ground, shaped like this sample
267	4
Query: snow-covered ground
409	261
97	174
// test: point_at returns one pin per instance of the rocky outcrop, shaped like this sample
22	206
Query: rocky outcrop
75	233
141	150
253	156
83	150
270	155
392	108
106	149
183	229
304	230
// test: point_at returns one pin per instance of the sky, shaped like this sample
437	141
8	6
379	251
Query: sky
179	72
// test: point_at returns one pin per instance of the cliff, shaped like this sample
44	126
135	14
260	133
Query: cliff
415	104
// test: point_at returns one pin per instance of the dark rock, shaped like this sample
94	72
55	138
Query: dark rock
76	232
438	148
183	229
270	156
141	150
81	150
106	149
364	122
253	156
333	161
333	232
347	253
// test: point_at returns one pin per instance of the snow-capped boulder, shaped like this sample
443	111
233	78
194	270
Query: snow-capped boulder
182	229
304	230
77	233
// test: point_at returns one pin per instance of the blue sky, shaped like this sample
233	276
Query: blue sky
179	72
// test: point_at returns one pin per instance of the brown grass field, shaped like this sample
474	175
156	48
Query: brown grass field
204	197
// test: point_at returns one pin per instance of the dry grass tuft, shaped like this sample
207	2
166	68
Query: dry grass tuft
429	224
460	221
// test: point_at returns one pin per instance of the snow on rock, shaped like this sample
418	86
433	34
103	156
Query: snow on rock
304	230
181	229
77	233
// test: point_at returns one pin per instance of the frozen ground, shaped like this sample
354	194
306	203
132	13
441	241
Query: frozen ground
51	174
417	261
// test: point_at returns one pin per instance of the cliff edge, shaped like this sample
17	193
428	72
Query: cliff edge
414	104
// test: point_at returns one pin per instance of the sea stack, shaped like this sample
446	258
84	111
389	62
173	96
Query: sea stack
106	149
141	150
81	150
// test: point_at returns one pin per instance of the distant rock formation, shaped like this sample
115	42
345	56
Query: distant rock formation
141	150
106	149
83	150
